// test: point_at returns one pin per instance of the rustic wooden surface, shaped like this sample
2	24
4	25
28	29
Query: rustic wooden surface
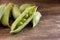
48	27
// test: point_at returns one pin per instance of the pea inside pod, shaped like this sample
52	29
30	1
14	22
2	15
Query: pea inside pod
15	28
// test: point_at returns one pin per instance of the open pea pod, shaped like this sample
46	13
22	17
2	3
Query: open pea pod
6	15
15	27
16	11
37	16
2	7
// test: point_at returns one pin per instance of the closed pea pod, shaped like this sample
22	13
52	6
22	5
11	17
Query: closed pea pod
2	7
16	11
36	18
24	6
20	19
6	15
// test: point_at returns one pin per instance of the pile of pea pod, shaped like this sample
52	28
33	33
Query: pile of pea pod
22	16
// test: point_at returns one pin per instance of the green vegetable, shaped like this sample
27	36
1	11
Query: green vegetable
5	17
24	6
16	11
36	18
22	16
15	27
2	7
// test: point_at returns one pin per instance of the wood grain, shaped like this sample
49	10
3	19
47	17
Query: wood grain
48	27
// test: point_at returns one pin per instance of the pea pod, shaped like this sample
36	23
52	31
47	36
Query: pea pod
16	11
2	7
5	17
31	12
36	18
24	6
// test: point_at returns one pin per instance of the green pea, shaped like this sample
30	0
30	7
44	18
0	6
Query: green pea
26	16
14	25
21	23
24	19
